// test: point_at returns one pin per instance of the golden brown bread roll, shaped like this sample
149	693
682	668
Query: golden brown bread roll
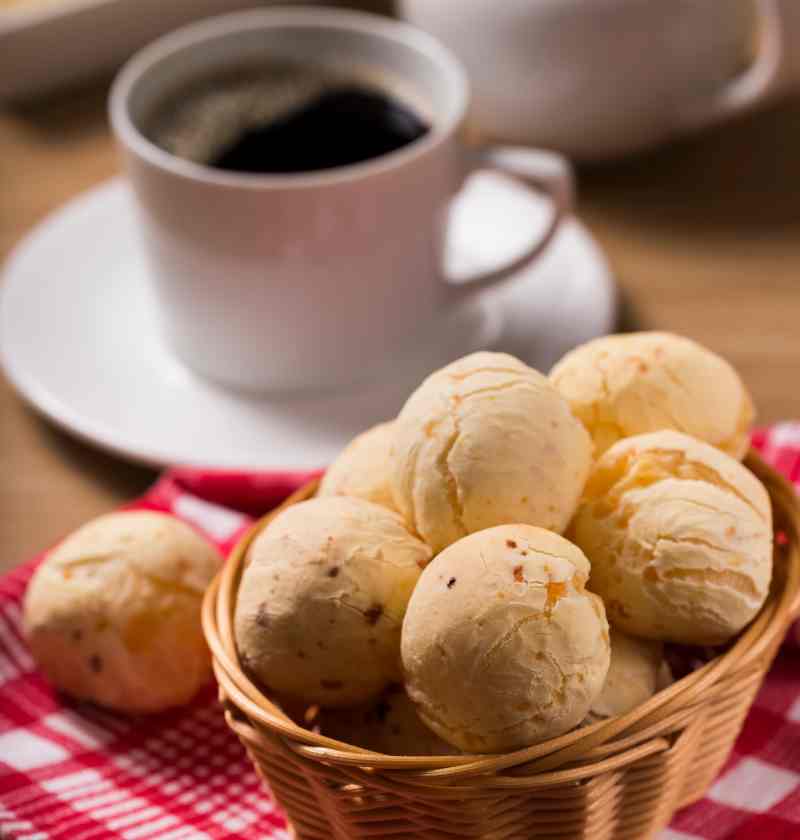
503	646
679	536
623	385
486	441
113	613
363	468
322	600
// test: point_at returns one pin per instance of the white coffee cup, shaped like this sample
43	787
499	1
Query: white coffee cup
309	280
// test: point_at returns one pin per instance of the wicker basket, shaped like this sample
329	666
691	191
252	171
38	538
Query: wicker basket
621	778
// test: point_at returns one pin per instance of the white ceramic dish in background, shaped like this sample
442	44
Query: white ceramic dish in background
45	44
601	79
80	339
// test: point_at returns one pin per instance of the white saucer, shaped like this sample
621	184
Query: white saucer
79	337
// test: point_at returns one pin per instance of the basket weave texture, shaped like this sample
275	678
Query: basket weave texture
619	779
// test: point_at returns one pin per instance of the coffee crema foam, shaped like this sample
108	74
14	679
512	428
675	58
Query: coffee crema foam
202	119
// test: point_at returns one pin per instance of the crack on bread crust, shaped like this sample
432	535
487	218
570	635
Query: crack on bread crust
410	489
460	377
699	541
611	483
647	555
518	382
498	644
725	578
448	476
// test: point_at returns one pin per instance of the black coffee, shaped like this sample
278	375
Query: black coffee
285	118
339	127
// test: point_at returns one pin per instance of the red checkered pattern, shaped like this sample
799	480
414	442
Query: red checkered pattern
69	771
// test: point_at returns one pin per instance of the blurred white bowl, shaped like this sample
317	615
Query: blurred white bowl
598	79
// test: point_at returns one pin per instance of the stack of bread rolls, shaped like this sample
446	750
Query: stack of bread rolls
497	565
527	514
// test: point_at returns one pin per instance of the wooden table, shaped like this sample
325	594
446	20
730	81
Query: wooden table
704	237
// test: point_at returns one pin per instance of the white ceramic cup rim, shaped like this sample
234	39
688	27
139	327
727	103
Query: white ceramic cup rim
312	17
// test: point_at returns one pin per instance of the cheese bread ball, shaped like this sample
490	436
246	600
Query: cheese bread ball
623	385
502	644
391	726
113	613
363	468
486	441
322	600
635	674
679	536
664	678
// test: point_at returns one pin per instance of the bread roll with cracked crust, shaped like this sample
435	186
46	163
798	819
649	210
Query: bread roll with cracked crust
635	673
502	644
679	536
112	615
624	385
363	468
392	726
486	441
322	600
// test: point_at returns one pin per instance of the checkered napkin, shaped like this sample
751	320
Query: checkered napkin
70	771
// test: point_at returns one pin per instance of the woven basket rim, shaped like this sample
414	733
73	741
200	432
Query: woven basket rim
598	747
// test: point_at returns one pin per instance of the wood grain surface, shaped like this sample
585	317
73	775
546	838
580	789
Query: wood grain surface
704	237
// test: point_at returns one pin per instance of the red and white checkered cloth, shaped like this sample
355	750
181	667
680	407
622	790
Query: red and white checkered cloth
69	771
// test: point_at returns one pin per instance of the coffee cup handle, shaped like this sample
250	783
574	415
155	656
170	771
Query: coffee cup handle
543	172
761	79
